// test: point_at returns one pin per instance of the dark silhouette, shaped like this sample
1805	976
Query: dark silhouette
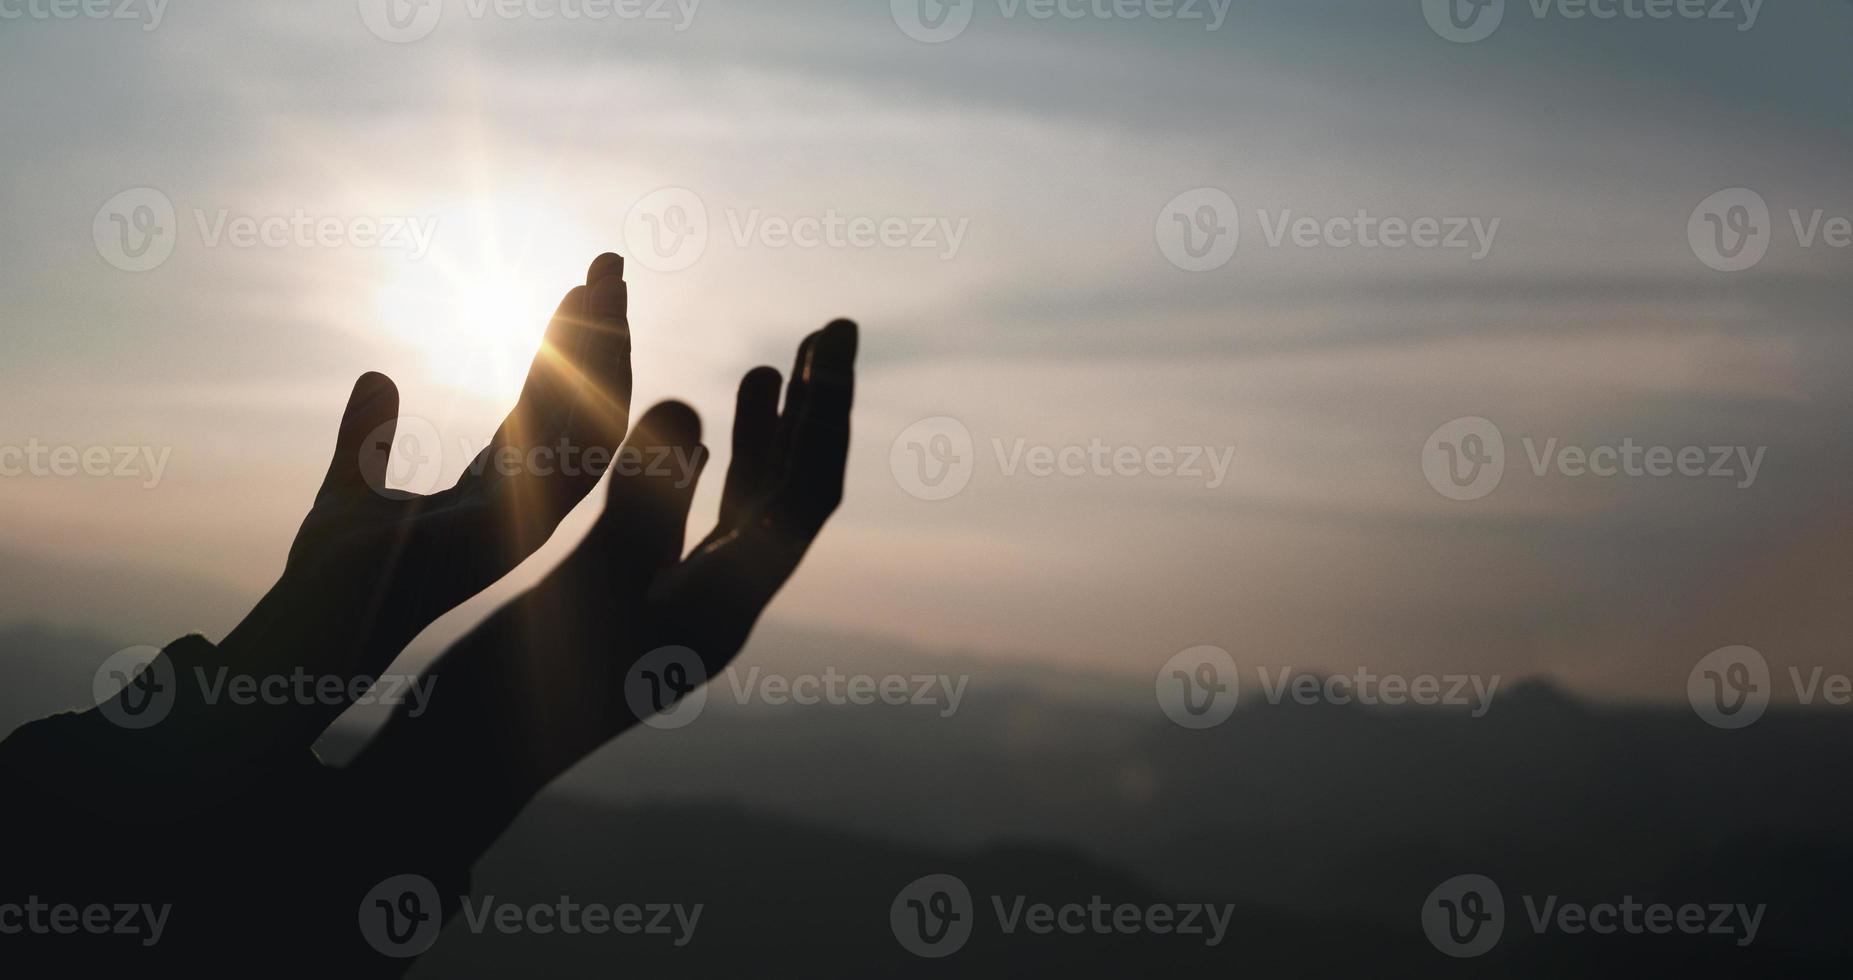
218	830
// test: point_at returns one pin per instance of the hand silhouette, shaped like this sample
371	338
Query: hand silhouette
371	567
541	683
241	846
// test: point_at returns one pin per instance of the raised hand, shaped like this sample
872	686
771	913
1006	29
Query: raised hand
540	684
371	567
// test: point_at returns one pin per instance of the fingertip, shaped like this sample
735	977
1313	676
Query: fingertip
672	422
373	383
605	266
842	336
374	394
760	384
833	356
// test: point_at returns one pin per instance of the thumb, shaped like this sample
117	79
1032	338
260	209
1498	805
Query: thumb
365	440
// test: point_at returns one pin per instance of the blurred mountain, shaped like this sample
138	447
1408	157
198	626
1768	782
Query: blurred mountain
1325	825
134	605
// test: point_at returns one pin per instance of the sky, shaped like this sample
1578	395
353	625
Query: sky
1051	174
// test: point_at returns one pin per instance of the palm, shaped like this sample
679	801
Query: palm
372	566
540	684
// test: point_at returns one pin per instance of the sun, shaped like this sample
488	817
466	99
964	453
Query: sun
474	336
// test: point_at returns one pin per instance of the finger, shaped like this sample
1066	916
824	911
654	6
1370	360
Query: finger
608	264
812	486
711	601
796	394
576	404
364	441
755	442
645	519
